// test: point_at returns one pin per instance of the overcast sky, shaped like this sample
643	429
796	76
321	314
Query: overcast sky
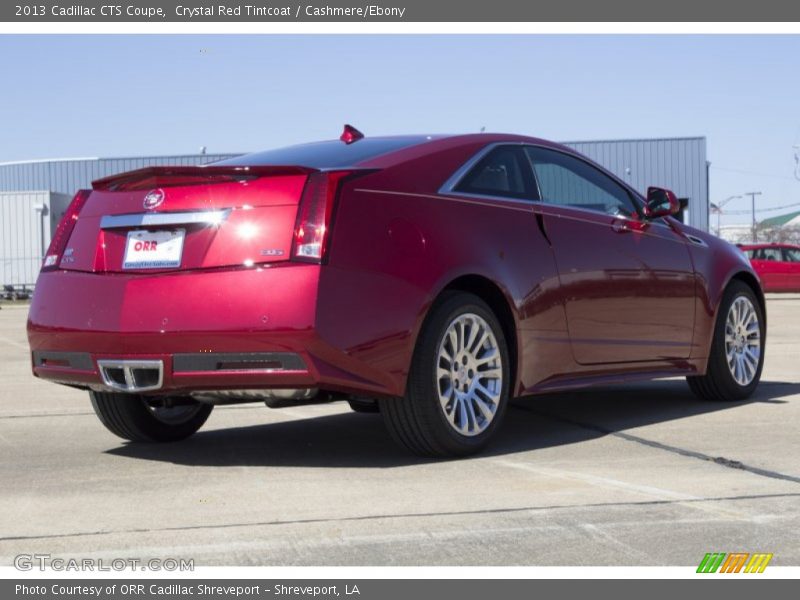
76	96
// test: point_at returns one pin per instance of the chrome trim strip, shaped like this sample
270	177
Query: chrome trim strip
208	217
127	367
529	203
464	199
677	238
588	211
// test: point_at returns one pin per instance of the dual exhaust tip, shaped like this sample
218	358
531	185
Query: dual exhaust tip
132	375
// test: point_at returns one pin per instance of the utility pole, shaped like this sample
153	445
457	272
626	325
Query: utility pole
717	208
753	202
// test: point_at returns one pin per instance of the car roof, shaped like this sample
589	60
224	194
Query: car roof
377	151
469	143
436	142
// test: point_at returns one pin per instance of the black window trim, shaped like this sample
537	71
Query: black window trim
461	174
449	186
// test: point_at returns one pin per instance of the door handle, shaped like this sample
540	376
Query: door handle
626	225
620	227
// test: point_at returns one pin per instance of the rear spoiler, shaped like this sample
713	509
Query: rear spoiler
150	177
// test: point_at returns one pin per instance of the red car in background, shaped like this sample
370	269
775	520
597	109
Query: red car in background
777	265
429	278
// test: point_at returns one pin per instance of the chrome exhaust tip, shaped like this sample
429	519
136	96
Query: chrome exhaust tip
132	375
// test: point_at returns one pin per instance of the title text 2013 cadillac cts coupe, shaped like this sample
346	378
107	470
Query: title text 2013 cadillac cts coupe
431	278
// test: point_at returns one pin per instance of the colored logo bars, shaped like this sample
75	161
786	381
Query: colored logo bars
734	563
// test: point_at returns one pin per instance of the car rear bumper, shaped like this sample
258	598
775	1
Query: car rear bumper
175	373
240	329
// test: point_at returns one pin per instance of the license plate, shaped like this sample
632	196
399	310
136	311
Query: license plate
153	249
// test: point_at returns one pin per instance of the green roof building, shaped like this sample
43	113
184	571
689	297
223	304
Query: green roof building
789	219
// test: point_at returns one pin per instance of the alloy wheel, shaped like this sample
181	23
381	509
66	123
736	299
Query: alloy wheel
469	374
742	340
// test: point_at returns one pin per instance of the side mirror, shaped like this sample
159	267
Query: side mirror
660	203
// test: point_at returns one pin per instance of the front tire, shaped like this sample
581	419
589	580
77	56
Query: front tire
737	350
458	384
136	418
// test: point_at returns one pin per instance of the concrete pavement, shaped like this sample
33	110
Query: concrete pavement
637	475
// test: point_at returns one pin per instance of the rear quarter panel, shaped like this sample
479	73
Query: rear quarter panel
396	247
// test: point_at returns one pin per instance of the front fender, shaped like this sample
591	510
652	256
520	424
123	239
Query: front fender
716	265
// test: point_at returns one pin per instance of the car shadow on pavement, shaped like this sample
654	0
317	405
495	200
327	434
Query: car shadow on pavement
353	440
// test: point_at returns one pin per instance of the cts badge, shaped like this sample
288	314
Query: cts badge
153	199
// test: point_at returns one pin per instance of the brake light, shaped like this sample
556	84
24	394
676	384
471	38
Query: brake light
60	238
312	228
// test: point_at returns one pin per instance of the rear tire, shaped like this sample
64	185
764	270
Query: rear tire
132	417
458	383
737	350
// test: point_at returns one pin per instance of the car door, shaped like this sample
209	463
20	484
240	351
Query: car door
628	285
791	257
768	263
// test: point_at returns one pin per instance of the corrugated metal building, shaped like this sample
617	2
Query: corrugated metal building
27	221
678	164
35	194
67	175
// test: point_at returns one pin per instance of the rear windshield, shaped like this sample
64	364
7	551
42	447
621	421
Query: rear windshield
326	155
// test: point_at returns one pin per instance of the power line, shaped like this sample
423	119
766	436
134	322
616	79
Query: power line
753	173
758	210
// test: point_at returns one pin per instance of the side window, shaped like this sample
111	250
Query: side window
768	254
791	254
502	172
569	181
773	254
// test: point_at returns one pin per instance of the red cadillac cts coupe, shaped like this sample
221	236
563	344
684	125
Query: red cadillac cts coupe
430	278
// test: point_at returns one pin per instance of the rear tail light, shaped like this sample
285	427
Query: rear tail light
60	238
314	214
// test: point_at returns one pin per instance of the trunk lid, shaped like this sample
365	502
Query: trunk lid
184	218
